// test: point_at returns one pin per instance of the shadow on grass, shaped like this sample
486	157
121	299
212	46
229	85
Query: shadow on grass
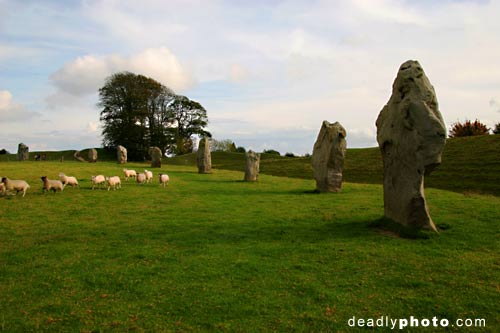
388	227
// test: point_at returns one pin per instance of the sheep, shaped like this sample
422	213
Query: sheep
129	173
164	179
98	180
114	182
18	185
68	180
141	178
53	185
149	175
2	188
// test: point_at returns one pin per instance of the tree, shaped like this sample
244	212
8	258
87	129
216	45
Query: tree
496	130
139	112
468	128
184	119
222	145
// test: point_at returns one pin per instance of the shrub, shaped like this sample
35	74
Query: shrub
241	150
4	152
272	152
289	155
468	128
496	130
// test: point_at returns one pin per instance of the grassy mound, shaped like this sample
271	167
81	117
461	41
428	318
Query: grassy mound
469	165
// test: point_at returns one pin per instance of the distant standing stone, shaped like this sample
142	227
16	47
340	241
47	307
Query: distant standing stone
121	154
23	152
252	166
92	155
155	154
328	157
411	135
204	158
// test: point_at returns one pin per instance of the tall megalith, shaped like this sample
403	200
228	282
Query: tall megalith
328	157
204	158
23	152
121	154
411	135
155	154
252	166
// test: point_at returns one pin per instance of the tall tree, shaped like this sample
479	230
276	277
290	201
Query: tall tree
185	118
138	112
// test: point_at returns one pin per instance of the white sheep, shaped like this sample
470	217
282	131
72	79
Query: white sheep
68	180
164	179
114	182
98	180
129	173
2	188
53	185
17	185
141	178
149	175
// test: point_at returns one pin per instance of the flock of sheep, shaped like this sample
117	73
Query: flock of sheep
99	180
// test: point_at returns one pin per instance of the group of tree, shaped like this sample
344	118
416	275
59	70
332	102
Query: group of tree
469	128
139	112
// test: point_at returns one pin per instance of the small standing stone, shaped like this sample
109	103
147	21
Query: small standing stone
204	158
328	157
252	166
23	152
121	154
155	154
411	135
92	155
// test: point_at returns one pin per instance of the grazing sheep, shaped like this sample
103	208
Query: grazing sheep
141	178
98	180
17	185
53	185
129	173
164	179
68	180
114	182
149	175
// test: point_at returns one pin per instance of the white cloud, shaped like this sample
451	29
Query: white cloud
13	112
86	74
91	127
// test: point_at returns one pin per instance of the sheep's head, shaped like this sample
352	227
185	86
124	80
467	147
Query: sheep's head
4	179
43	178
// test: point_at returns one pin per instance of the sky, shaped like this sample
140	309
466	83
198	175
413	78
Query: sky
267	72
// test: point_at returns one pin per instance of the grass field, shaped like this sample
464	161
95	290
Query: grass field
213	253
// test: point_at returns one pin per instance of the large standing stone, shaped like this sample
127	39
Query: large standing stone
411	135
328	157
23	152
155	154
121	154
204	158
92	155
252	166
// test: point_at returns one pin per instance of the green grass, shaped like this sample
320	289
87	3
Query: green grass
213	253
469	165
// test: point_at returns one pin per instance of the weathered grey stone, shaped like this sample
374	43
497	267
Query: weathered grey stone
121	154
252	166
204	157
328	157
411	135
79	156
23	152
155	154
92	155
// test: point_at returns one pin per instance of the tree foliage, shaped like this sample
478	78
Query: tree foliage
222	145
496	130
468	128
139	112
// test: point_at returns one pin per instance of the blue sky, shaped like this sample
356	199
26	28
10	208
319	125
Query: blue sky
268	72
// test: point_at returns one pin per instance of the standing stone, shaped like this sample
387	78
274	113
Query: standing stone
252	166
23	152
204	158
155	154
411	135
328	157
121	154
92	155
